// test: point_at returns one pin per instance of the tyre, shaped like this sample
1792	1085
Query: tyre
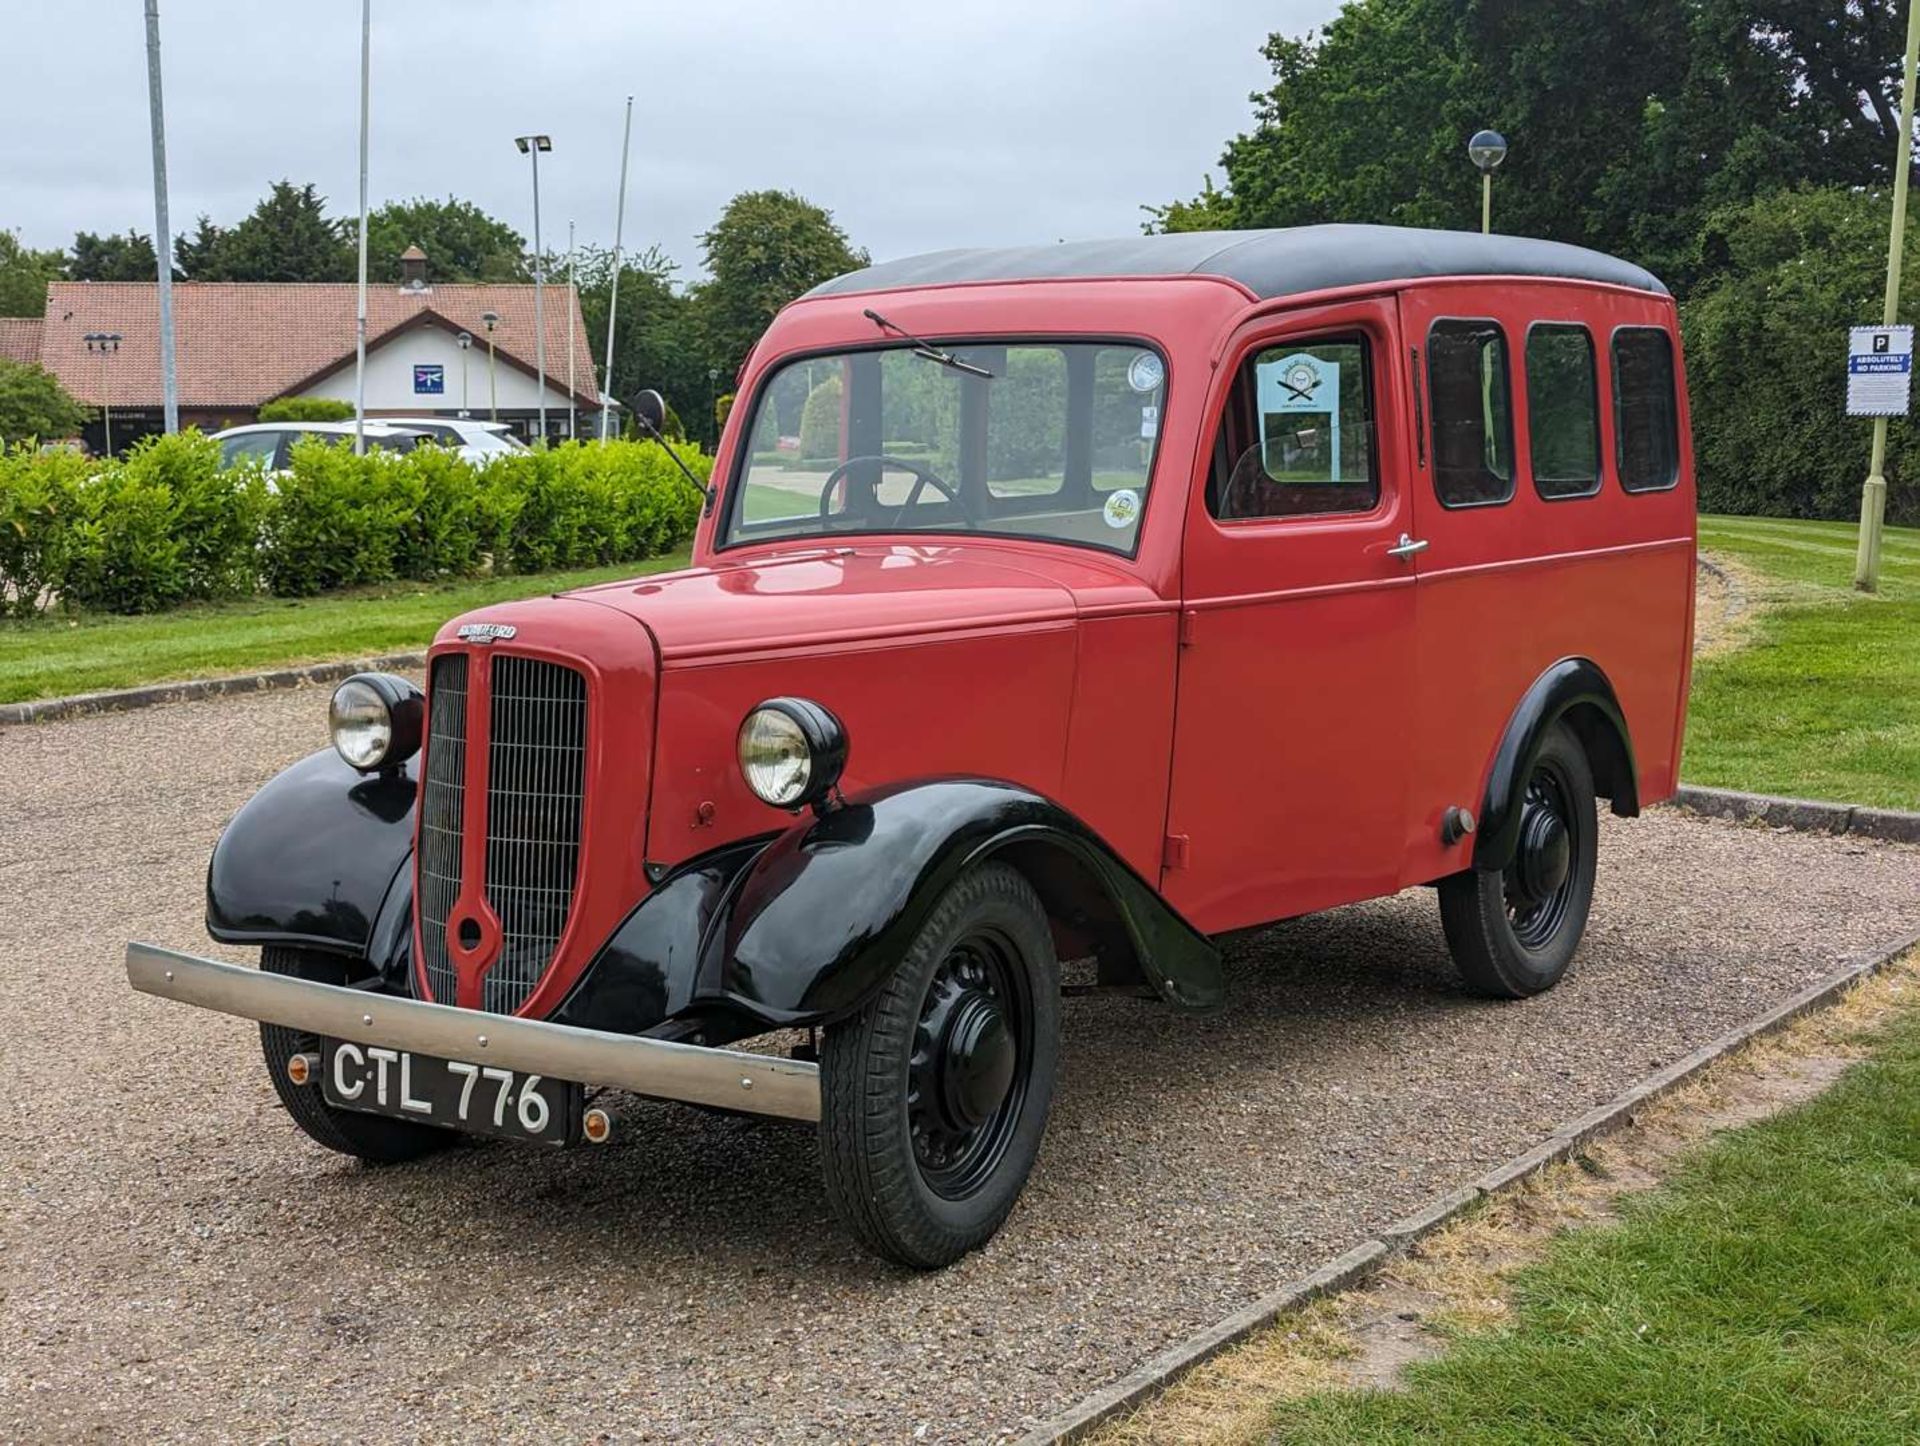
367	1137
1513	933
934	1097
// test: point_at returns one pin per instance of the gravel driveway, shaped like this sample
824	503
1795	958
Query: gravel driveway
176	1263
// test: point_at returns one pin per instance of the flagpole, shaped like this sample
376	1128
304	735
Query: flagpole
573	309
613	300
162	231
360	309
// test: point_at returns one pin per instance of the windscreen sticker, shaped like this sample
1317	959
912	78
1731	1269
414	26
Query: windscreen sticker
1122	509
1145	372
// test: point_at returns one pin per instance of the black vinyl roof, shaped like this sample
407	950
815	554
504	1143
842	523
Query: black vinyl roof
1286	262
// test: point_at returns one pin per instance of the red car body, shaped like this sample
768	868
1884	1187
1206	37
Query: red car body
1213	695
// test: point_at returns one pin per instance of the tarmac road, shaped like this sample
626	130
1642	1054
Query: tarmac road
177	1263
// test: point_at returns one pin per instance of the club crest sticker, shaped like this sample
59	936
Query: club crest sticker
1122	509
1145	372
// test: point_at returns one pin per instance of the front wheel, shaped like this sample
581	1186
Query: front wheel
367	1137
1513	933
934	1097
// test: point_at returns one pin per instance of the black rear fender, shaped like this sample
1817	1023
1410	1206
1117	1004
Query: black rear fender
1574	691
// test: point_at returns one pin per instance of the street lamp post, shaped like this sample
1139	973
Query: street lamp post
465	342
492	319
162	231
533	146
105	343
1873	496
1487	150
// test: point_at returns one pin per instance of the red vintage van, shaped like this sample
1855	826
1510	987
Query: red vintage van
1083	602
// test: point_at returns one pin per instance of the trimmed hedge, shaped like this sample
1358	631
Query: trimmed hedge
166	525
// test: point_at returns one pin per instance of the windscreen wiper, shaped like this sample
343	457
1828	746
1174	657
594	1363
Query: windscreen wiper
926	348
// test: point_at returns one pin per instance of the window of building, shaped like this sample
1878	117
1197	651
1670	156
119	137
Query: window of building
1646	413
1470	396
1297	436
1563	411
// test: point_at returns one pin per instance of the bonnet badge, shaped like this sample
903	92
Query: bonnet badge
486	632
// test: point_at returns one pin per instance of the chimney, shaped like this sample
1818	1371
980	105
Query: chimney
413	269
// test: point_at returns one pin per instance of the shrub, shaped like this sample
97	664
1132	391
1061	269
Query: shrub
216	514
161	527
820	423
306	409
444	526
36	510
336	519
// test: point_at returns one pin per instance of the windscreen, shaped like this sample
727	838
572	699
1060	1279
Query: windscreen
1056	440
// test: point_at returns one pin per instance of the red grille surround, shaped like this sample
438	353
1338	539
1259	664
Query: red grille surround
531	826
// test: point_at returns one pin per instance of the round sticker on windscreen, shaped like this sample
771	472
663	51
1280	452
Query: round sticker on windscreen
1122	509
1145	373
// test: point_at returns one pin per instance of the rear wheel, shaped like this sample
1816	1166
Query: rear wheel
1513	933
367	1137
934	1097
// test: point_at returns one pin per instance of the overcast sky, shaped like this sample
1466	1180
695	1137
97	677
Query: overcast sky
919	125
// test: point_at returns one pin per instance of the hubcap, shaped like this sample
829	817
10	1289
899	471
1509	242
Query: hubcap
1541	879
966	1080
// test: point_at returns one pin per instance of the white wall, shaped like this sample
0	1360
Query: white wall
390	377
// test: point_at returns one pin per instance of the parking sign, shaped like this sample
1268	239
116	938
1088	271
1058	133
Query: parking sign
1879	371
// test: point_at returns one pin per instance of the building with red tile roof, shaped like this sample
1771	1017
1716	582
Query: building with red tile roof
239	345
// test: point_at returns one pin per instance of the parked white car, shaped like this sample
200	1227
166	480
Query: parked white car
477	442
271	442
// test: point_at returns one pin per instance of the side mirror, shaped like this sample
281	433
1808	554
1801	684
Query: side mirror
650	412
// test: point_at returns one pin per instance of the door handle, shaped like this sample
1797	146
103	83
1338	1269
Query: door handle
1408	546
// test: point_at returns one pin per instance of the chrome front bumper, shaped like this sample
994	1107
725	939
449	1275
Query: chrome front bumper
725	1078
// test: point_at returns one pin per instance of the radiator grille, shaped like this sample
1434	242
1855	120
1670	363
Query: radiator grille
536	785
442	807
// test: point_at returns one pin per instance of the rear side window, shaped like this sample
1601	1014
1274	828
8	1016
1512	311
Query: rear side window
1297	436
1563	411
1646	413
1470	395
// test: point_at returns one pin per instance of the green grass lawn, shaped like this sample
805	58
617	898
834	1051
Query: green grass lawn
55	656
1822	699
1769	1291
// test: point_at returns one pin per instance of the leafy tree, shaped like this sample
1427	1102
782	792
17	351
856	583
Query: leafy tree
286	238
112	258
1788	273
1721	101
657	341
462	242
24	274
767	248
34	404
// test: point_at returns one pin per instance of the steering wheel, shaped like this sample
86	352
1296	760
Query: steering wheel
923	478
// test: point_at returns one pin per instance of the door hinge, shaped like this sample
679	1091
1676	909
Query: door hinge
1173	852
1188	616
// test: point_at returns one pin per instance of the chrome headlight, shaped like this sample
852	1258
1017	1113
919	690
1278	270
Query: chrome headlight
375	719
791	752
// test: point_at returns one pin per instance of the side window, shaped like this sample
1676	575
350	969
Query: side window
1646	414
1470	397
1563	411
1297	436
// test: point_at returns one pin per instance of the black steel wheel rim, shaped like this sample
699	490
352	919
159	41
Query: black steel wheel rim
968	1075
1545	873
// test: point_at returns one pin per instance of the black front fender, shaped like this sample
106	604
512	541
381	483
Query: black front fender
312	858
805	927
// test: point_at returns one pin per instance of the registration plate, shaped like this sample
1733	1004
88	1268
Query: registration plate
481	1099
